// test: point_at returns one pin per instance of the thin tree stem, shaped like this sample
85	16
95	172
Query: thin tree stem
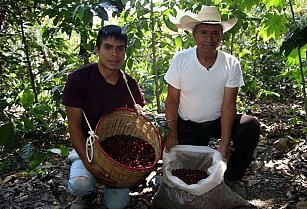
300	60
26	49
154	58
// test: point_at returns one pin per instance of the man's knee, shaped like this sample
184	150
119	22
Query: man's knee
255	123
247	135
252	123
255	126
80	186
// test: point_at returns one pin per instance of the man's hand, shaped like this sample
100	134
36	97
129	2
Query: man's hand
100	174
225	152
170	142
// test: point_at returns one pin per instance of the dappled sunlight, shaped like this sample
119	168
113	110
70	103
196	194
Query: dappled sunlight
261	203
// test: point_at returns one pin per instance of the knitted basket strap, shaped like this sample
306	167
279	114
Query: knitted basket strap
138	107
90	141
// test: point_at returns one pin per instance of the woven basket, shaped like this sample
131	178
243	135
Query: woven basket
128	122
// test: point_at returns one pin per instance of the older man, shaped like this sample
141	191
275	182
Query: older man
203	84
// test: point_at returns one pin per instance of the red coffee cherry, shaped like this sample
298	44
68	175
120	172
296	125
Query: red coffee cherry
189	176
129	150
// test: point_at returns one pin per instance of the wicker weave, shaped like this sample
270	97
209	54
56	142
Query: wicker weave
128	122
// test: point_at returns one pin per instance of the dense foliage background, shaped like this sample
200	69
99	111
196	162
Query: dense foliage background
41	41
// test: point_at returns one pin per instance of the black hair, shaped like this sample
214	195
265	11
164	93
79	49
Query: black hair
111	31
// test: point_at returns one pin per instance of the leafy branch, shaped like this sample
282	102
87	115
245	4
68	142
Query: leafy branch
296	40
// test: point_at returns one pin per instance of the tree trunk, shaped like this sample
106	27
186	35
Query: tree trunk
154	59
26	49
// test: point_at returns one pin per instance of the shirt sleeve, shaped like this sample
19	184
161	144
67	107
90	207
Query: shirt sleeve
172	76
235	78
72	95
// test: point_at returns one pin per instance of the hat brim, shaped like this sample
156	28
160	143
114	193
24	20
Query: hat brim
189	23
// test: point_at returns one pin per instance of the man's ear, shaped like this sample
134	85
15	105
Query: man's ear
96	50
193	34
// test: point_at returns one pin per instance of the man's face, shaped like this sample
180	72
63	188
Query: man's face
208	36
111	53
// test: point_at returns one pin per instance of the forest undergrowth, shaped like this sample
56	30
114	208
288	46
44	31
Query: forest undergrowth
275	179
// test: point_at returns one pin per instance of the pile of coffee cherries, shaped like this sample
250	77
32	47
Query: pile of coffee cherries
129	150
189	176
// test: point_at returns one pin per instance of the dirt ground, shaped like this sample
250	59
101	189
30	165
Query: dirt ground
275	179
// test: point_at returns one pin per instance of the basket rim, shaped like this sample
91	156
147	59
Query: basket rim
155	129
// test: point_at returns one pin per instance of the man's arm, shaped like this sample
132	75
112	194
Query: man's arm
171	111
228	116
78	142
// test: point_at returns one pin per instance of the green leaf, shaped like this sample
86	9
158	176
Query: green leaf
41	109
274	3
42	121
28	125
126	14
294	40
56	94
138	6
188	43
64	150
27	98
173	12
169	24
163	44
293	58
248	4
137	43
101	12
56	20
3	103
141	13
178	41
26	152
37	158
8	136
139	34
273	26
88	16
81	10
74	14
130	63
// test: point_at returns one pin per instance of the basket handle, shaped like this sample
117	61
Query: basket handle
90	141
138	107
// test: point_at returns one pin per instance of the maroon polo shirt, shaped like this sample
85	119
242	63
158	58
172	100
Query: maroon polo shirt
87	89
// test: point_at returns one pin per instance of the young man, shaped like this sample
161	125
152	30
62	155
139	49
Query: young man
203	85
97	89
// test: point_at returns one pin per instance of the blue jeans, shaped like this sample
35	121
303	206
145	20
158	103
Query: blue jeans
82	182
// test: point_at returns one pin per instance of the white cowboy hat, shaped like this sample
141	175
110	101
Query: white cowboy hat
208	15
